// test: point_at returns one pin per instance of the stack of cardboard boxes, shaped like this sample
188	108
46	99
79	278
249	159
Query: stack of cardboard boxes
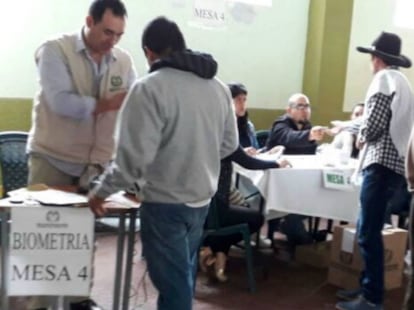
344	260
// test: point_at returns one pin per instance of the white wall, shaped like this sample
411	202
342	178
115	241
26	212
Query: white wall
266	54
370	17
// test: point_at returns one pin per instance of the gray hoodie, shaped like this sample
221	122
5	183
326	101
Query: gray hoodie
175	126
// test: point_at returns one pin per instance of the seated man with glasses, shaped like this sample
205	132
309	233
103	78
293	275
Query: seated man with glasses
295	132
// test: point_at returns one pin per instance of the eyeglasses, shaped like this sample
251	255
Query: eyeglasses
300	106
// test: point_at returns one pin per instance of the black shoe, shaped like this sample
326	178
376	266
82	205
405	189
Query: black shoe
349	294
87	304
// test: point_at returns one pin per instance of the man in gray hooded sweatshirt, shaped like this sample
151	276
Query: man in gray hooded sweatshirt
176	125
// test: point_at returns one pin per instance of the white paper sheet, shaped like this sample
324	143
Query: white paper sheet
120	198
348	237
49	197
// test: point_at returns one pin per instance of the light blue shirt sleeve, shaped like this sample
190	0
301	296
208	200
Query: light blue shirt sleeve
58	88
132	77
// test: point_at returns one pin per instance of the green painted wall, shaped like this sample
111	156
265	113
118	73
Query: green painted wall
15	114
329	29
326	58
263	118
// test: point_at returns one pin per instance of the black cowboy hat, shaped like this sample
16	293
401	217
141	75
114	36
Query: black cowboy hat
387	47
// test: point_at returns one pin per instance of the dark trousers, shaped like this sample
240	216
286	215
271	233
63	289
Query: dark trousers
378	185
231	216
171	236
409	295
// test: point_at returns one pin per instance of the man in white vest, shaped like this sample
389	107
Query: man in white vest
84	78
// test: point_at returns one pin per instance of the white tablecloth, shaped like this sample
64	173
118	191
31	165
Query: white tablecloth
301	190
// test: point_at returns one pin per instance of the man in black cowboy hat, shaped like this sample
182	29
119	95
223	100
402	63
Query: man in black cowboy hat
383	137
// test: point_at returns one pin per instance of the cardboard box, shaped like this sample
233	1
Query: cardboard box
346	262
314	254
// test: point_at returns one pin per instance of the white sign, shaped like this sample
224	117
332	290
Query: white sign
209	13
50	251
338	179
267	3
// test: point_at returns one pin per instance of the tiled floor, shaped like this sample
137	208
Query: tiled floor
289	286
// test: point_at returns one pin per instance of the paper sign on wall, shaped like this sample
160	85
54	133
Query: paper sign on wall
209	13
50	251
267	3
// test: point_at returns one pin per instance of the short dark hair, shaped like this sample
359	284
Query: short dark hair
386	62
358	104
237	89
163	36
98	8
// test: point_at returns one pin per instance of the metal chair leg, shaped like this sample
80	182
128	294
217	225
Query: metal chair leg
249	262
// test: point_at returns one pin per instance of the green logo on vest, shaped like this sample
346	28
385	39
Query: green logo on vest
116	81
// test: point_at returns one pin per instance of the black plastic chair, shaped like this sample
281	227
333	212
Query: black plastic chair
13	160
214	228
261	136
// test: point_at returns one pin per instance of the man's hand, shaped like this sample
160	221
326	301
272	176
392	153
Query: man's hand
110	104
276	149
317	133
284	164
359	144
333	131
250	151
96	206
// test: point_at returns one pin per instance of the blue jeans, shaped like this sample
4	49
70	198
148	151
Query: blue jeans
171	235
378	185
399	202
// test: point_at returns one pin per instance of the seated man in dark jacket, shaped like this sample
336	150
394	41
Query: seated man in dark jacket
295	132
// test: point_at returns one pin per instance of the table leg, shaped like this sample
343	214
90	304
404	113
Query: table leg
119	262
4	259
129	258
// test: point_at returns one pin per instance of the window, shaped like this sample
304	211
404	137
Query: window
403	16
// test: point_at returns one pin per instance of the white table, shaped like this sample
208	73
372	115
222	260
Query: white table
123	267
301	189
